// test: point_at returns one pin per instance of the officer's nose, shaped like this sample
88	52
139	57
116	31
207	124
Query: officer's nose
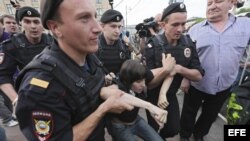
97	27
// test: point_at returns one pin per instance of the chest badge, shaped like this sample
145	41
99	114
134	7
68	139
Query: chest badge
187	52
1	58
122	56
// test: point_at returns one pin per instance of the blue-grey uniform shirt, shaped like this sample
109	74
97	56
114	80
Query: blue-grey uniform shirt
220	52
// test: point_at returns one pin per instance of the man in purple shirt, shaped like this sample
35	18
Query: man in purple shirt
220	40
3	35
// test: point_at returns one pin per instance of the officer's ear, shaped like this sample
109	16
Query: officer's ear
54	27
161	24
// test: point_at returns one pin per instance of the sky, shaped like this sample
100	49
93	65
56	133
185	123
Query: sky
138	10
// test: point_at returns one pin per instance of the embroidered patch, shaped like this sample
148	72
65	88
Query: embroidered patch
187	52
42	124
1	58
39	82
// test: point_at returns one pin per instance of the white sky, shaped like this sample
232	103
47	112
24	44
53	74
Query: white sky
138	10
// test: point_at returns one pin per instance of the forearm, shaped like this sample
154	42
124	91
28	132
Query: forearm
166	85
159	75
190	74
9	91
106	93
83	130
134	101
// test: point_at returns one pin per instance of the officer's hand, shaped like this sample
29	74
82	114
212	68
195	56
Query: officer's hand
168	62
108	78
185	84
178	68
126	40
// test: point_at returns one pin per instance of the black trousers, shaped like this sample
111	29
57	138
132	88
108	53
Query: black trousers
211	105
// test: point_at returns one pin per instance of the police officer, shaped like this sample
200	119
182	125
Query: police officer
173	42
59	91
21	48
112	52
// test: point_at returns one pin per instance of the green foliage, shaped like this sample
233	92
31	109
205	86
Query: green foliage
243	10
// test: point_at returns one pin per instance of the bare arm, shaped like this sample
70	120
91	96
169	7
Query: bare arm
168	64
113	103
190	74
162	100
9	90
159	114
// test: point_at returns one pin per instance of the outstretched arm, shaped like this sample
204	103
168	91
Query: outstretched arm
159	115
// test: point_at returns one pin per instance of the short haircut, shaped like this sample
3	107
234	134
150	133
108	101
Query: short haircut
6	16
131	71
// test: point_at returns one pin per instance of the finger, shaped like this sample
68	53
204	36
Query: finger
112	75
161	106
164	120
128	106
163	56
165	104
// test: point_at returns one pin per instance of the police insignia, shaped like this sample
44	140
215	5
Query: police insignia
117	18
187	52
1	58
42	124
122	55
182	5
29	12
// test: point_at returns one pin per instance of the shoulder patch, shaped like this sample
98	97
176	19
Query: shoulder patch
39	83
43	124
1	58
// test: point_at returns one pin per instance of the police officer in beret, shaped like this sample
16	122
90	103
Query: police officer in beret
20	49
59	90
180	46
112	51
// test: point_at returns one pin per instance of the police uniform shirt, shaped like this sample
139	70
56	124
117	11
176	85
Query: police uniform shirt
184	54
46	109
18	54
112	56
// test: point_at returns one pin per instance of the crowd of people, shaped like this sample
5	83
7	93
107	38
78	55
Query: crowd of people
85	75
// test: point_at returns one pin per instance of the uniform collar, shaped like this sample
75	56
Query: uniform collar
90	59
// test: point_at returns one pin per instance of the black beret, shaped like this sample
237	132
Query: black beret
48	10
111	16
173	8
27	11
